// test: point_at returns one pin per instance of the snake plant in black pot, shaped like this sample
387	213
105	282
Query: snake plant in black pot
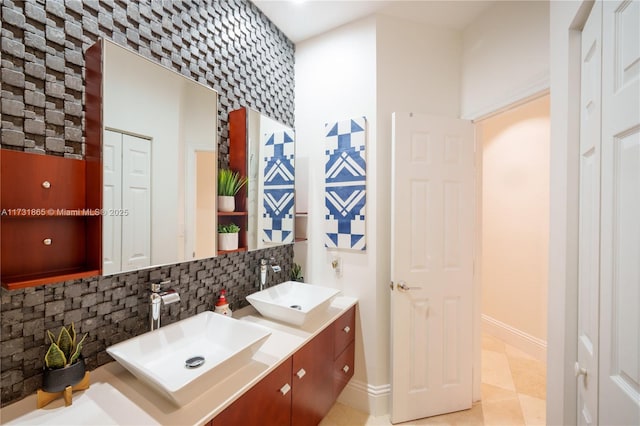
64	365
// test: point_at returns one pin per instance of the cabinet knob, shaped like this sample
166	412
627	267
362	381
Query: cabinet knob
346	329
345	369
46	184
46	241
285	389
301	373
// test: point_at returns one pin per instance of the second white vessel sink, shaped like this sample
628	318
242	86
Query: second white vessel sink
292	302
184	359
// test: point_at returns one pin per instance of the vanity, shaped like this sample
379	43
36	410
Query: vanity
293	379
81	218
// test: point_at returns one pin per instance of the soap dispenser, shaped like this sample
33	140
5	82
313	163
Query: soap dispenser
222	306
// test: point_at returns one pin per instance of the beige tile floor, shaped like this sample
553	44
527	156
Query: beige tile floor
513	393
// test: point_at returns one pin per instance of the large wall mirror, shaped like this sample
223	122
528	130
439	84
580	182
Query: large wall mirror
264	150
160	156
159	164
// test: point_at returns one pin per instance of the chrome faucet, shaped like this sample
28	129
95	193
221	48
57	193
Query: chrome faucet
263	273
159	298
263	270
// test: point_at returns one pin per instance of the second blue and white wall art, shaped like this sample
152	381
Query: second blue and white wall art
345	184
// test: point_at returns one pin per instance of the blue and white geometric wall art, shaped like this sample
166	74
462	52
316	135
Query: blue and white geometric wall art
345	184
278	187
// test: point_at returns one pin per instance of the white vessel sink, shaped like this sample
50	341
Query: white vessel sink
159	358
292	302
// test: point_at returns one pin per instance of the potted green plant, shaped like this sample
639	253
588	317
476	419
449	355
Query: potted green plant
296	273
64	364
229	183
228	237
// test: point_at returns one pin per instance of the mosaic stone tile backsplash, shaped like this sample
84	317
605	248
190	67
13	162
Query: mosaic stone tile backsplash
226	44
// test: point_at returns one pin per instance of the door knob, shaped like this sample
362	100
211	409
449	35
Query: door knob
579	371
402	286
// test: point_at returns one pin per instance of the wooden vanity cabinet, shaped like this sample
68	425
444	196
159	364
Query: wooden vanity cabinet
313	389
316	374
343	350
268	403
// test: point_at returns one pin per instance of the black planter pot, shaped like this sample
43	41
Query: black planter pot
57	380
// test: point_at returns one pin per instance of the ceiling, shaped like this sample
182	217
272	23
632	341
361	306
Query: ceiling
302	19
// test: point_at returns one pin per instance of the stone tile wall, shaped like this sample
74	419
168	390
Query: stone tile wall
226	44
115	308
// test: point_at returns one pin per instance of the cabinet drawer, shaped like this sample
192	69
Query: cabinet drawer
344	331
343	369
26	253
32	181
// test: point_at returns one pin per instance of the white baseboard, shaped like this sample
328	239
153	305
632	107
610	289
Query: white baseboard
367	398
527	343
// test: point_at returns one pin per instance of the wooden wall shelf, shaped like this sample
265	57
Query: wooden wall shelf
233	213
238	250
237	163
60	238
47	223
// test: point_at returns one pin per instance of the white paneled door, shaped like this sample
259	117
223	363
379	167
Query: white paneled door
112	201
127	202
586	366
619	373
432	265
136	202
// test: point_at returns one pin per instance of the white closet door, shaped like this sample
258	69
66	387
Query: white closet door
112	200
619	376
589	220
136	202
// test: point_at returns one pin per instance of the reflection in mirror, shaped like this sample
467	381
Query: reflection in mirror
160	164
264	150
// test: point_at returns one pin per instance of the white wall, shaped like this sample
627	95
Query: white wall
505	56
371	67
515	224
419	69
336	80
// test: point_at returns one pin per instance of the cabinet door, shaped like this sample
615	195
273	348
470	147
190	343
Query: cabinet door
343	369
268	403
38	247
312	380
344	329
32	181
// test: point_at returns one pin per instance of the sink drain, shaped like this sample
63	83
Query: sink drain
298	307
194	362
